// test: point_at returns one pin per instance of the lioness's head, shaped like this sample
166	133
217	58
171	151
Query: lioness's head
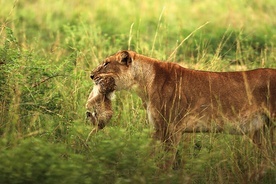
119	66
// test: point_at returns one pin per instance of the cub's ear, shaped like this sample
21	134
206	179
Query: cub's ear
125	58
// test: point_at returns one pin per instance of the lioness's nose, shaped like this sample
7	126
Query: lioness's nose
92	76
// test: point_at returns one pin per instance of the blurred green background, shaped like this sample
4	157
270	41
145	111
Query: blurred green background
49	47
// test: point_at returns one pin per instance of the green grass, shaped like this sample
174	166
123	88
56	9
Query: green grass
49	47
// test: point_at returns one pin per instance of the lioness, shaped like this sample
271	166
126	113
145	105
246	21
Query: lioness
181	100
99	109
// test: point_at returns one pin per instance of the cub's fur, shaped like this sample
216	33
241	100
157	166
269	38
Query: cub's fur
181	100
99	109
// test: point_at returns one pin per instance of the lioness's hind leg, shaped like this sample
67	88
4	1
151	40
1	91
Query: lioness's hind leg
170	141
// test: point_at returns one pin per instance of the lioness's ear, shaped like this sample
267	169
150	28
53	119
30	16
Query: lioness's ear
125	57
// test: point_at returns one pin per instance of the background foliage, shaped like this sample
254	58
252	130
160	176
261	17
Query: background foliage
47	49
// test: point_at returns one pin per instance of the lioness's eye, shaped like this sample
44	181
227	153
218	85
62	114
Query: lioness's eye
106	63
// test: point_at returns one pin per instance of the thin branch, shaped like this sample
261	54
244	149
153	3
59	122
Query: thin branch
45	80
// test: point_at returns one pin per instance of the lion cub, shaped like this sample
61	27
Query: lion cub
99	109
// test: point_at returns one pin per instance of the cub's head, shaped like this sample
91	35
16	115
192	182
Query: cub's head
119	66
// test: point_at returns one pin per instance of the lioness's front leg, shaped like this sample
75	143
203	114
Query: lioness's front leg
170	139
